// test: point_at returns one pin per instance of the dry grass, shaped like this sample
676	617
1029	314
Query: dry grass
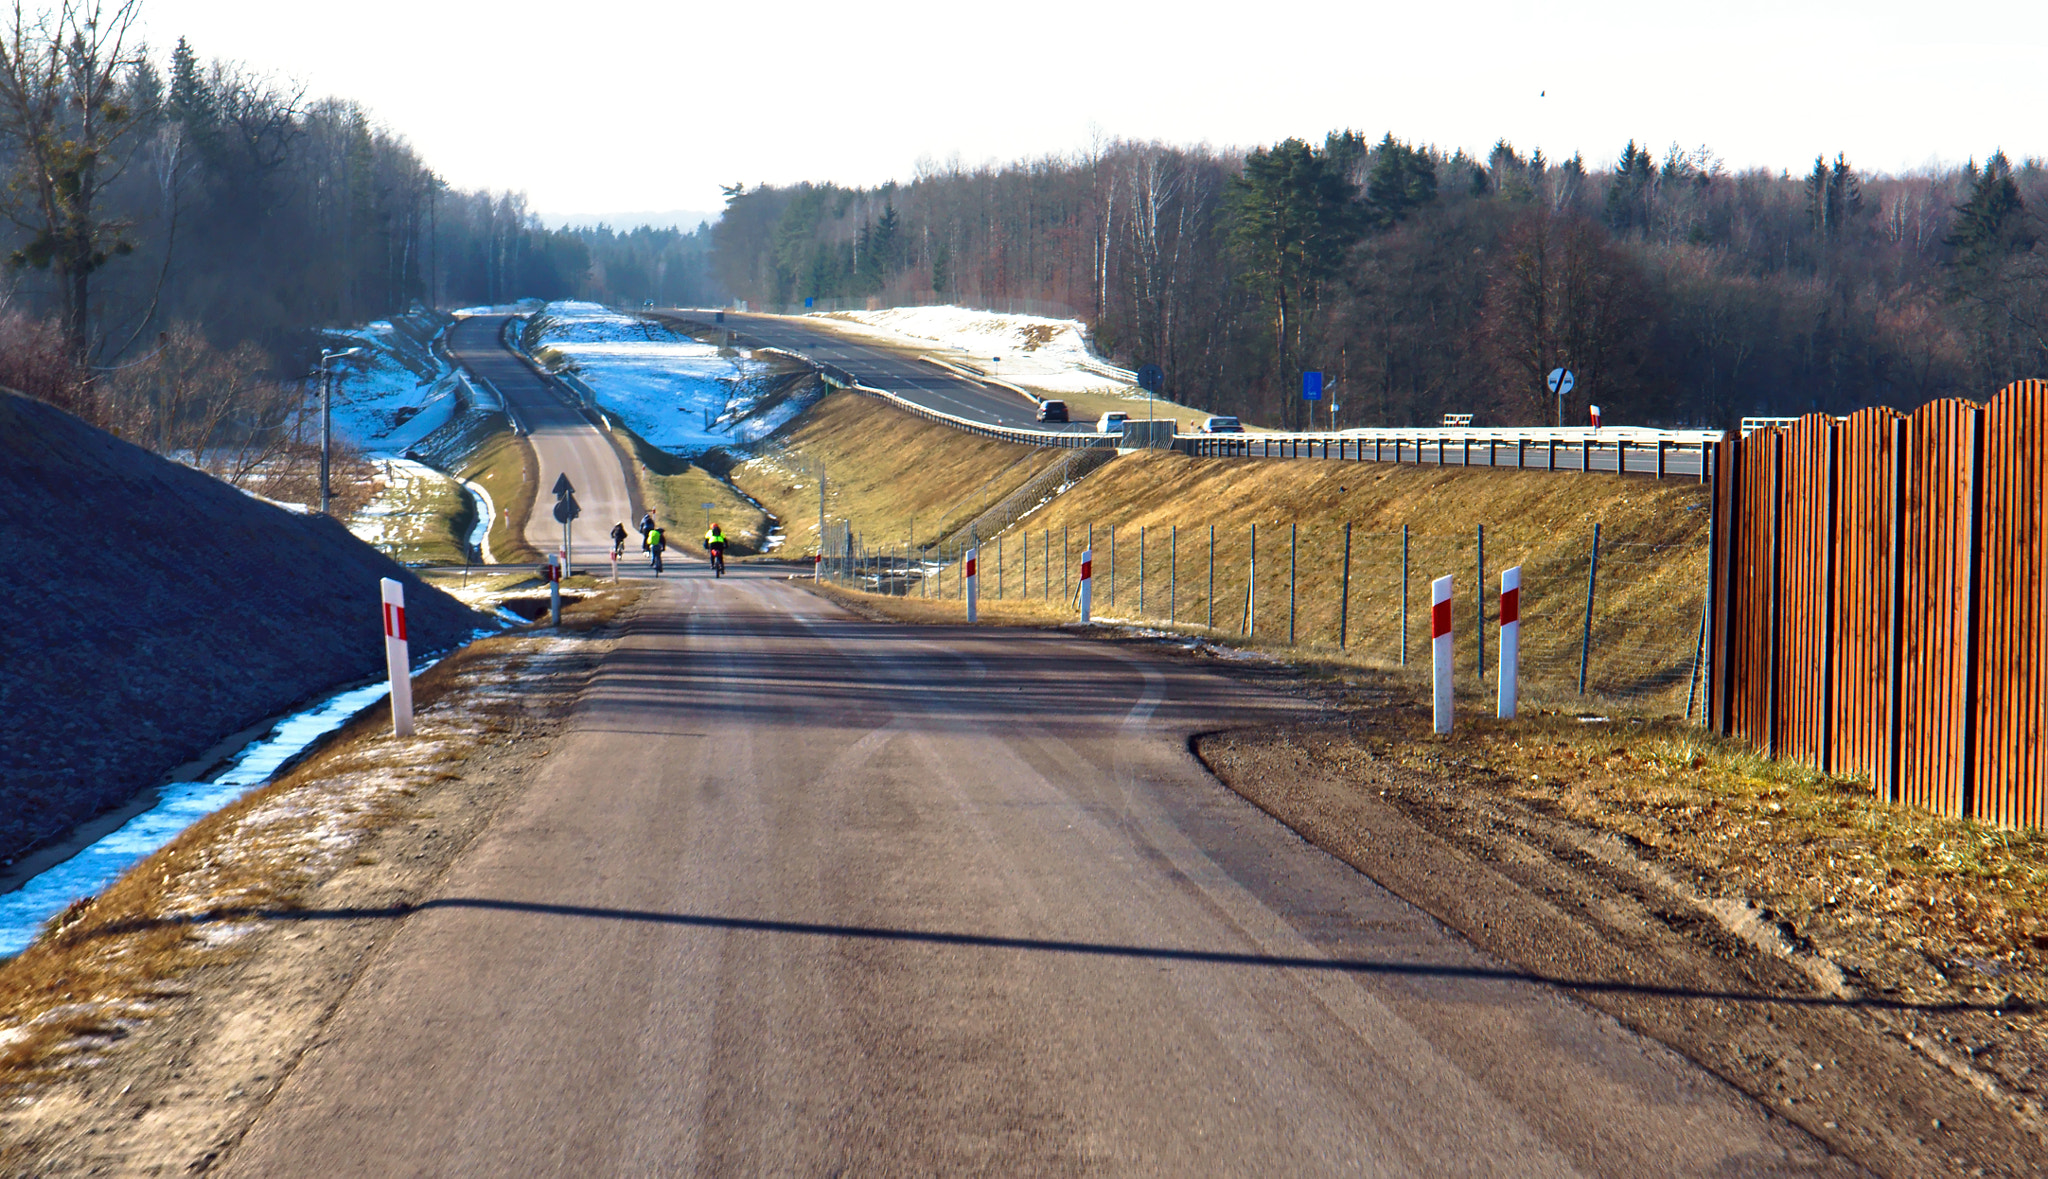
676	489
504	465
1917	903
107	961
889	473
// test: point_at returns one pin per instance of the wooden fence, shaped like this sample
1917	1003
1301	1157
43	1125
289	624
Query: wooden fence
1880	600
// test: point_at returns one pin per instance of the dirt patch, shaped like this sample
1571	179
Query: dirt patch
1887	1066
148	1029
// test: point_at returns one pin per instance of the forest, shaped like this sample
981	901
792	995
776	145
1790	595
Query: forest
1422	282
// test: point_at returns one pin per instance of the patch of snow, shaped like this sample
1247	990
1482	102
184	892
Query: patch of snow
1049	356
676	392
391	397
178	806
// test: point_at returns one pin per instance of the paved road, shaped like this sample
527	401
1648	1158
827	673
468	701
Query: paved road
797	893
880	368
563	440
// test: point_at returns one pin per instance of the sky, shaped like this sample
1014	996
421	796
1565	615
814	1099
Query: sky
616	108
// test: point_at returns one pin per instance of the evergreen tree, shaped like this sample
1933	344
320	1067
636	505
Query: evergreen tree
1295	218
1628	194
1990	226
1402	180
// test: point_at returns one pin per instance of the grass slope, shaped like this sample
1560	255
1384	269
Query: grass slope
165	610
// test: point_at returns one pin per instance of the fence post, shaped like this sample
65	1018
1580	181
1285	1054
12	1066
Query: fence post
1404	595
1048	564
1440	651
1293	535
1479	600
1251	584
1112	566
1212	577
999	568
1344	602
1141	571
1586	635
1173	576
1510	641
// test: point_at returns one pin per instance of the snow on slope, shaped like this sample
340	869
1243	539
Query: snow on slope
392	397
679	394
1044	355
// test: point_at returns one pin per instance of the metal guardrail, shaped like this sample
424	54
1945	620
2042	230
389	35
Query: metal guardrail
1631	449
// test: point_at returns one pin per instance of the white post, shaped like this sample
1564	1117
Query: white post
1510	638
972	583
615	569
397	657
1087	584
1440	649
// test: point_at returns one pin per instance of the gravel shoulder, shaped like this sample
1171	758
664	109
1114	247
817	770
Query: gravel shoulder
147	1033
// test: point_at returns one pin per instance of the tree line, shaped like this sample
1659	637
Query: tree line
1423	282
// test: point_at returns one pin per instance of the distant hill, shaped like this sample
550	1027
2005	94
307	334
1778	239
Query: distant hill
155	610
683	219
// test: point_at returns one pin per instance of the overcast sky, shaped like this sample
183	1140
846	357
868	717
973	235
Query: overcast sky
605	107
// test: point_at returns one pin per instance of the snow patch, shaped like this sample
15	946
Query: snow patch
678	393
1045	355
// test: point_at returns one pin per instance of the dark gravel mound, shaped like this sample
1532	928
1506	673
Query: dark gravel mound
153	611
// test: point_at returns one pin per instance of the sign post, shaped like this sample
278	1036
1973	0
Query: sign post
1440	650
397	657
566	510
972	583
1510	639
1087	584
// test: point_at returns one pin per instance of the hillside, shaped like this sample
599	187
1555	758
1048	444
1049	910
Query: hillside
159	610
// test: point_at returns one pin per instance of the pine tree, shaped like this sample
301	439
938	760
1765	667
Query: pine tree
1401	181
1628	193
1990	226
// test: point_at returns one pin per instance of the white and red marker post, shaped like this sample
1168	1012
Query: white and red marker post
1087	585
972	583
1595	411
1440	649
1510	639
397	657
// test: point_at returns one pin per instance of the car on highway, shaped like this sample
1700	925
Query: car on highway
1220	424
1112	422
1052	411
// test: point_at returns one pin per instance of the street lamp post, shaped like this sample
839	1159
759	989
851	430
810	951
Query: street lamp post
326	416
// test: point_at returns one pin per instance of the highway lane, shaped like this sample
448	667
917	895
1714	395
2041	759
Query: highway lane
799	893
564	441
880	368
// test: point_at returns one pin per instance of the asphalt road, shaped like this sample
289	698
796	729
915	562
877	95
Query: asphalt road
798	893
564	441
880	368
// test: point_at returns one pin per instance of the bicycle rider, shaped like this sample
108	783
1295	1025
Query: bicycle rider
618	539
714	545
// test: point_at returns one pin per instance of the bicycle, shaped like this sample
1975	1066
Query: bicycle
718	562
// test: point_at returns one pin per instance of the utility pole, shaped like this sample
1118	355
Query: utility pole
327	418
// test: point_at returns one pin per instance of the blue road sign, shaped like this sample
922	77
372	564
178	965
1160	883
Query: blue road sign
808	302
1151	378
1311	386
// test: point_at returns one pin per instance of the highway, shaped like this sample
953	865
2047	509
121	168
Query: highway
915	380
564	442
800	893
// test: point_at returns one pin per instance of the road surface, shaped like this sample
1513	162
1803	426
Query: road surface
564	441
798	893
880	368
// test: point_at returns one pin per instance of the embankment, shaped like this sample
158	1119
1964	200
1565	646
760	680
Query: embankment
159	610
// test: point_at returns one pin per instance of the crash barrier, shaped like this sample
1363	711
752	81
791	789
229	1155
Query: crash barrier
1881	600
1620	449
1598	618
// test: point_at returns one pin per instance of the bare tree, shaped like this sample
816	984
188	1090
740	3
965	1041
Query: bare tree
62	109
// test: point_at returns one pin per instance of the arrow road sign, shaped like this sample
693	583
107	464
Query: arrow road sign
566	509
562	486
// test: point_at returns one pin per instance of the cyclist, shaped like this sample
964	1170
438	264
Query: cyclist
714	544
646	526
618	539
655	543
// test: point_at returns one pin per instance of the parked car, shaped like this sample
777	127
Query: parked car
1220	425
1052	411
1112	422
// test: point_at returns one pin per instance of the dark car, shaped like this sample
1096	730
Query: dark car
1052	411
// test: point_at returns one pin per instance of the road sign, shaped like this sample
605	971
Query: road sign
1311	386
809	302
562	486
566	509
1151	378
1560	381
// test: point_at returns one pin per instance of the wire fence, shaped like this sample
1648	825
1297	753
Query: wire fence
1603	619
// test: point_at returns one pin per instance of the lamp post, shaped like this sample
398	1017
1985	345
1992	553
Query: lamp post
326	416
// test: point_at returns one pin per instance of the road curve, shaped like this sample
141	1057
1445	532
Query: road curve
879	368
564	441
797	893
